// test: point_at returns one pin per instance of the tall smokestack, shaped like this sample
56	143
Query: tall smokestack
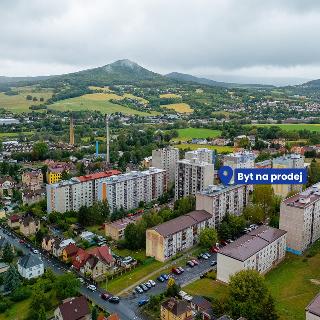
71	133
108	139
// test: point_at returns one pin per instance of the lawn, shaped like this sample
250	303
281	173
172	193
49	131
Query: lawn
293	127
220	149
15	134
18	103
120	283
179	107
94	101
18	311
200	133
293	284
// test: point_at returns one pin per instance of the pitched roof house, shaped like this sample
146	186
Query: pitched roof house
30	266
69	252
73	309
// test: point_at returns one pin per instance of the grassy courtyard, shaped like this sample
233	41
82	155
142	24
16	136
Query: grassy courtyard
293	284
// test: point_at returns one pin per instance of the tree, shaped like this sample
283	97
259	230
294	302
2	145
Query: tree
208	237
39	151
67	285
94	313
65	175
7	255
254	213
314	172
263	195
172	288
249	297
231	226
12	279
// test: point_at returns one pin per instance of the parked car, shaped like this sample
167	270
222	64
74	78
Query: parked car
143	287
35	251
180	269
160	279
190	263
153	284
229	240
213	263
208	254
195	262
138	290
215	249
142	302
176	271
165	276
21	241
105	296
92	287
224	242
114	299
148	285
81	280
204	256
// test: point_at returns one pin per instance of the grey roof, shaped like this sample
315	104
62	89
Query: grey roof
30	260
251	243
183	222
314	306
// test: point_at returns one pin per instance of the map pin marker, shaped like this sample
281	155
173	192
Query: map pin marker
225	174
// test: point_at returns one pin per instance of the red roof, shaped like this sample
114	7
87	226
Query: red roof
98	175
14	218
80	259
74	308
103	253
71	249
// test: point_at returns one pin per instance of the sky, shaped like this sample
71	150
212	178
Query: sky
247	41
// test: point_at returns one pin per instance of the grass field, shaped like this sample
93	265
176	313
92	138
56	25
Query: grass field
293	284
18	311
94	101
200	133
179	107
293	127
220	149
105	89
170	96
19	103
14	134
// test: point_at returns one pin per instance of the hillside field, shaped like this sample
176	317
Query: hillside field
170	96
292	127
179	107
95	101
18	103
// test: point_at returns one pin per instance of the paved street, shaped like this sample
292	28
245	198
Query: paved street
128	308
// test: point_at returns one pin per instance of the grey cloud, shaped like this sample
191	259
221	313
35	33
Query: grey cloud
161	34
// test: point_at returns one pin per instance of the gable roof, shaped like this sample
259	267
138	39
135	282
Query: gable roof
103	253
201	302
74	308
29	261
71	249
175	306
185	221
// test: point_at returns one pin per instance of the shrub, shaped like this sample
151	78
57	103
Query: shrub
20	294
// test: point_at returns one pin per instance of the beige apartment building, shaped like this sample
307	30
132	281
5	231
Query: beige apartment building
169	238
260	250
201	154
192	176
300	217
220	200
287	161
115	229
166	158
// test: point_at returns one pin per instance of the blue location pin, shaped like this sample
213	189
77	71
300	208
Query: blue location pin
225	174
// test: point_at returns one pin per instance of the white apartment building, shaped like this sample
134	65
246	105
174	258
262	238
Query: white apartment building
300	217
201	154
128	189
220	200
166	158
287	161
192	176
173	236
237	160
74	193
259	250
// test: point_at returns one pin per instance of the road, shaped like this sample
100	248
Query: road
128	308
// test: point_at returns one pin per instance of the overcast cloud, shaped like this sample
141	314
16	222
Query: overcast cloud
270	41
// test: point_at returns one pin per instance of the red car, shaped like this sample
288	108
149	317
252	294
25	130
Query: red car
215	249
224	242
21	241
176	270
195	262
105	296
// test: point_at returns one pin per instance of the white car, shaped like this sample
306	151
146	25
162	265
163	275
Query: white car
35	251
182	294
152	283
81	280
188	297
92	287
